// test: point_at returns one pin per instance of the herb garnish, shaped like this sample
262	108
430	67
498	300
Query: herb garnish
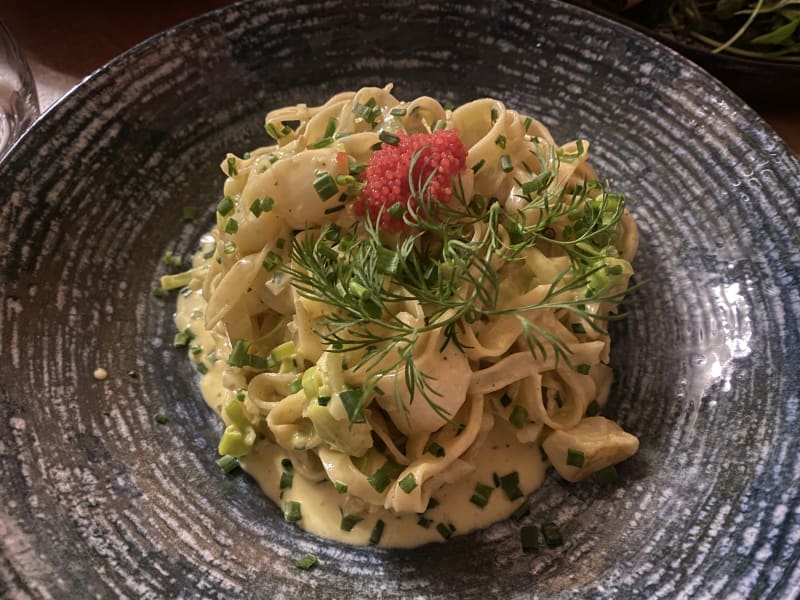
451	271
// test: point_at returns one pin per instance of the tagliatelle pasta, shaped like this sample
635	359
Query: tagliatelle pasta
401	315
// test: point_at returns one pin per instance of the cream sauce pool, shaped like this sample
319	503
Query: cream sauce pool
320	503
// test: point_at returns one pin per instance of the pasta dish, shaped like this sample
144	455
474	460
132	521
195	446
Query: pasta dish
401	315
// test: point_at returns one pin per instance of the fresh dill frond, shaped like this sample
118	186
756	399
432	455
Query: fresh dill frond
450	262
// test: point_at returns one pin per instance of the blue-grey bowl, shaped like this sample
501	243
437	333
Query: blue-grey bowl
98	499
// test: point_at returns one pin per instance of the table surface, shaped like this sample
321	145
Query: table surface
65	41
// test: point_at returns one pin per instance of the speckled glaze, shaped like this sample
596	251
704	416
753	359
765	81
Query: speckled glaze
97	499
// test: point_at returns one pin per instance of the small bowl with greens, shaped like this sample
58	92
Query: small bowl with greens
751	45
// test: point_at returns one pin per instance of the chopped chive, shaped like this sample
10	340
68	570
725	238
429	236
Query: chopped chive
272	131
359	462
232	226
505	400
377	533
510	485
436	450
398	111
195	349
606	476
232	171
388	137
326	141
286	480
178	280
227	463
323	400
357	290
349	521
494	114
381	478
291	511
388	261
477	166
306	561
529	536
330	128
225	206
238	356
397	210
266	204
340	487
272	261
324	185
518	417
527	123
334	209
182	339
239	395
483	490
578	328
575	458
432	503
344	180
583	369
296	386
500	141
408	483
479	501
538	183
552	534
368	111
161	418
505	163
352	401
496	480
521	511
424	522
228	248
445	530
202	368
189	213
593	409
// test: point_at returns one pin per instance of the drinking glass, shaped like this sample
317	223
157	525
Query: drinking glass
19	104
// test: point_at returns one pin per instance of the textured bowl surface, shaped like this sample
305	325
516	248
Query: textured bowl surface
97	499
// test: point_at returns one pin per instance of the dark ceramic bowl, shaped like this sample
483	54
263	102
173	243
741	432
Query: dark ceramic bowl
770	82
97	499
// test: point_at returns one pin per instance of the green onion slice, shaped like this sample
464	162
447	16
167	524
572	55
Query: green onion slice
306	561
292	512
377	532
575	458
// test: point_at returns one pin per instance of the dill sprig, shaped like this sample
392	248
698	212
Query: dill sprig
451	262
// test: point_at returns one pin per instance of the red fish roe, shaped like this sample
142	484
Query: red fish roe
386	175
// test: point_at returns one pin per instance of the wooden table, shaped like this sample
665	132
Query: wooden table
67	40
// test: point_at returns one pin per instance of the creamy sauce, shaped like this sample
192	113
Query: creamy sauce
500	454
